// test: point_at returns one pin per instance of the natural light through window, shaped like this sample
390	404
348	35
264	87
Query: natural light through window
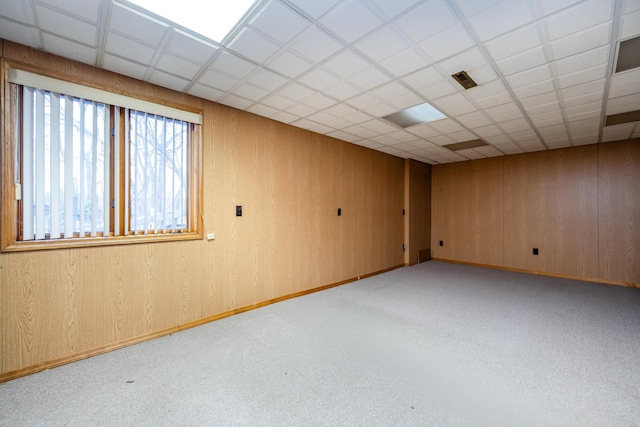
212	18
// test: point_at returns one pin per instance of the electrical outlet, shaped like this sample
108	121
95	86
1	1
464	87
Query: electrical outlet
238	210
441	243
210	236
535	251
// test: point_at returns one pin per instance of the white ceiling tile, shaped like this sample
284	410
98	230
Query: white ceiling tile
584	140
583	99
542	99
462	135
530	76
318	79
380	110
471	154
250	92
446	126
368	78
296	92
450	100
593	115
492	101
456	110
338	123
534	89
629	6
363	101
393	8
382	44
515	42
550	6
504	112
531	146
279	22
319	101
405	62
188	47
474	119
350	20
582	61
389	90
541	109
523	135
523	61
623	104
426	20
217	80
302	110
20	11
583	127
404	136
128	48
625	82
235	102
168	80
630	25
617	132
360	131
405	100
177	66
68	49
466	60
131	23
233	65
577	18
19	33
440	89
278	102
345	64
315	45
584	76
473	7
553	132
583	89
488	151
87	9
490	89
558	143
549	118
509	148
314	8
442	140
591	38
342	91
252	45
424	77
124	67
206	92
483	74
501	18
267	80
289	64
66	26
499	138
516	125
447	43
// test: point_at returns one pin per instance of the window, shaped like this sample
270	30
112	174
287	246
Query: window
92	167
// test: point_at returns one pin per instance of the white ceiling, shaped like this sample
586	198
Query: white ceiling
544	68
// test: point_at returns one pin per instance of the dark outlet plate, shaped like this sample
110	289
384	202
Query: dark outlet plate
238	210
535	251
441	243
339	211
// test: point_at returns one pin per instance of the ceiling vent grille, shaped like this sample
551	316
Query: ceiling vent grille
465	81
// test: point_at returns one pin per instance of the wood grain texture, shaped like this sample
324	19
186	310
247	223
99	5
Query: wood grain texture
551	204
467	211
418	209
619	211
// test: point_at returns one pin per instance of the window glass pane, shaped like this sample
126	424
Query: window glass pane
158	173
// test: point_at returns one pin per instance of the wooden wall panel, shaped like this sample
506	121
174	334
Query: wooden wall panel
418	209
619	211
551	204
467	211
290	182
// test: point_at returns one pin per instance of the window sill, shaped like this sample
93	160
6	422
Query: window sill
86	242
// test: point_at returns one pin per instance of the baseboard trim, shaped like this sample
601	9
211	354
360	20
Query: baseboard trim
12	375
542	273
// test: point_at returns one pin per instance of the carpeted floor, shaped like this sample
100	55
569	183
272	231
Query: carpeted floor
433	344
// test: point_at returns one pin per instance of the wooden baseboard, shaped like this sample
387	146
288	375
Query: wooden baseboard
11	375
542	273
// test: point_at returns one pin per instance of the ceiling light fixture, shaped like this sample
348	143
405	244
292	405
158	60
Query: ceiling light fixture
213	19
465	81
418	114
474	143
620	118
628	55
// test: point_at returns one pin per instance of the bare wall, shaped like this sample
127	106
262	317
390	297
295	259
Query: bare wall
579	206
57	304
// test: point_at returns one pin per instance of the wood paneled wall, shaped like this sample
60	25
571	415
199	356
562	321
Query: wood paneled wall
417	208
60	303
579	206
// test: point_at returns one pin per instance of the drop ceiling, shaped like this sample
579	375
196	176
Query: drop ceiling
544	68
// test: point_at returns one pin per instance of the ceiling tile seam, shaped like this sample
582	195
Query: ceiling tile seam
548	56
494	67
615	34
164	41
71	15
104	16
36	21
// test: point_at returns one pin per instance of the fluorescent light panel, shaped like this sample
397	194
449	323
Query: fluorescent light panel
418	114
212	18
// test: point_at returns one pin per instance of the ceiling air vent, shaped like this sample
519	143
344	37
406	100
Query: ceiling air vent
628	55
474	143
618	119
465	81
